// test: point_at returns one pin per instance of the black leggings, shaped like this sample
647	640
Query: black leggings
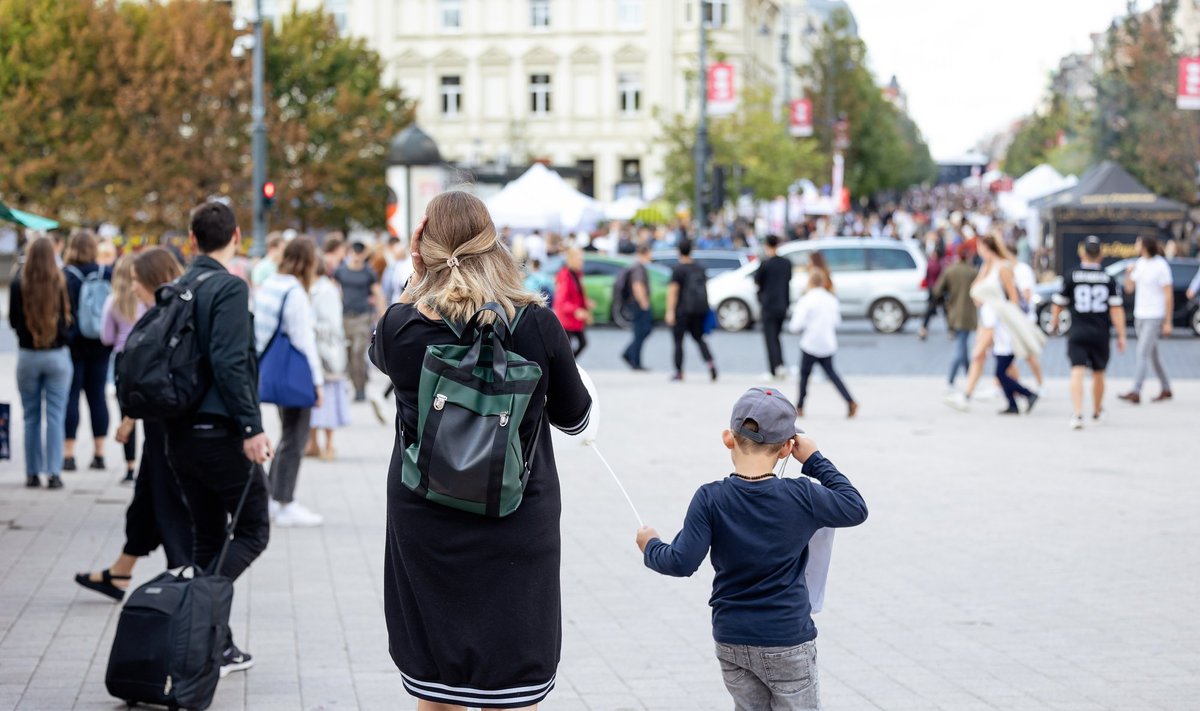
578	341
158	514
807	361
131	445
91	377
931	310
693	326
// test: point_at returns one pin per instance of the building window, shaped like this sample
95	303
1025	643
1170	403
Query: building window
631	170
451	96
715	12
629	14
539	94
451	14
539	13
629	92
338	10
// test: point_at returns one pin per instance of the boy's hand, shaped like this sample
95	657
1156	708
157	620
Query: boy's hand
644	534
803	447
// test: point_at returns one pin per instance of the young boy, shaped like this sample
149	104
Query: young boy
758	527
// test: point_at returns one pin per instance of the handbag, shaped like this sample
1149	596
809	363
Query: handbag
284	375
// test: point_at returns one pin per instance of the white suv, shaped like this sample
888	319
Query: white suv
879	279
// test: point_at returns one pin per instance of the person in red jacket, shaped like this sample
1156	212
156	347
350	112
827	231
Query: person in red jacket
571	303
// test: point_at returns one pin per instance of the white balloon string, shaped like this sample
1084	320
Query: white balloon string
619	484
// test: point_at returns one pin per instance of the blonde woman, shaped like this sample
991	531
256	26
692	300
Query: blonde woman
1013	334
473	603
122	310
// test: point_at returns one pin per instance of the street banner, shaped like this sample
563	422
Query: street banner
1188	93
722	91
801	123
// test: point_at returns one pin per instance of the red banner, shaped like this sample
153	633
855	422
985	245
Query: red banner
1188	95
801	121
722	92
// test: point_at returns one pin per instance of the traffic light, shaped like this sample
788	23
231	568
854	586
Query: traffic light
268	195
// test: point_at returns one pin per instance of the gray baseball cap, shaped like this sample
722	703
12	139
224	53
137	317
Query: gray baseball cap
774	414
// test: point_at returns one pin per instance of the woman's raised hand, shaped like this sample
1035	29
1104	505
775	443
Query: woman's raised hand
415	249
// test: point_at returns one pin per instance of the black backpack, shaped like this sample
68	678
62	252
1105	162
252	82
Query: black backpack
693	293
623	287
160	374
171	634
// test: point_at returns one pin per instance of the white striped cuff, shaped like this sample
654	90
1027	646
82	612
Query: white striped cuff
579	427
467	696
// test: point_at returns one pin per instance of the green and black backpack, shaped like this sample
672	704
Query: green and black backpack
473	396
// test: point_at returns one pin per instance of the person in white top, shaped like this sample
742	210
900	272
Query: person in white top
1026	280
283	303
816	317
1149	278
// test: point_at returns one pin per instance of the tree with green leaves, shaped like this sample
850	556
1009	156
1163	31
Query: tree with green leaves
886	149
754	139
330	119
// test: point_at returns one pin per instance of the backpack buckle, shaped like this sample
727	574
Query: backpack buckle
503	419
439	401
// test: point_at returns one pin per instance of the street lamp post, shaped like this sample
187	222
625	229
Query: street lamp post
259	139
786	66
699	217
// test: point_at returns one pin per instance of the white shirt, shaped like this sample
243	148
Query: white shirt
1025	281
816	317
1150	276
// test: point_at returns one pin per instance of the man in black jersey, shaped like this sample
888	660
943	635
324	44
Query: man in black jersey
1095	304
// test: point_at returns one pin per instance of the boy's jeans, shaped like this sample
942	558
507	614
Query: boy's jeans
777	678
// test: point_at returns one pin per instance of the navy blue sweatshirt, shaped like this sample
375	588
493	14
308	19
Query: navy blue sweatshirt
759	533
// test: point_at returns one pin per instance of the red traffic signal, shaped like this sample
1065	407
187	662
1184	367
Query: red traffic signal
268	190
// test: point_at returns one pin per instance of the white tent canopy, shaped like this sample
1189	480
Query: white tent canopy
624	208
1037	183
541	200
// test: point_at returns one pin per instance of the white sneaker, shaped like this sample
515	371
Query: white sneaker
1076	422
987	394
273	507
294	515
958	401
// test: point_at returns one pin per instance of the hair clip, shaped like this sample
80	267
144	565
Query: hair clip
452	262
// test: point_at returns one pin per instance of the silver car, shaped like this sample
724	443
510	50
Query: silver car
878	279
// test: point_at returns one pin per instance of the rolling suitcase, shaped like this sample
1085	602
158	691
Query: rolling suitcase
171	635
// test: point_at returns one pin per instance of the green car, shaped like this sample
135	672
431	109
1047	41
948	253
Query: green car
600	273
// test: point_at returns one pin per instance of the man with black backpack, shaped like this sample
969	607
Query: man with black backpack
687	307
633	289
214	450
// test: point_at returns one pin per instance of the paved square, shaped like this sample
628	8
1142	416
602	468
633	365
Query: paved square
1008	563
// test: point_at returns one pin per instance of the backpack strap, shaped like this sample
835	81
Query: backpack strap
75	272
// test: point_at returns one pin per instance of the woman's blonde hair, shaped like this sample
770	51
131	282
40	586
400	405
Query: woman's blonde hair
996	245
124	300
466	266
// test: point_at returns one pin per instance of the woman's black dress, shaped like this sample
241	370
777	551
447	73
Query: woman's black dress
473	603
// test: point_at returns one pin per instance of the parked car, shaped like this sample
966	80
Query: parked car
878	279
714	261
1183	270
600	273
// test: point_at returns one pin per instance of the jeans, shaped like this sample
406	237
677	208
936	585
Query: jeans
772	325
44	375
643	324
212	471
358	339
1149	330
158	515
693	326
771	678
962	355
91	378
807	361
1011	387
285	468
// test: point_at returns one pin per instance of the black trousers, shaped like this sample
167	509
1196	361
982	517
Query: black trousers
212	470
158	514
130	446
91	377
693	326
772	325
578	341
285	467
930	310
807	361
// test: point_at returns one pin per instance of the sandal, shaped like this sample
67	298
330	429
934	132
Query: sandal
105	586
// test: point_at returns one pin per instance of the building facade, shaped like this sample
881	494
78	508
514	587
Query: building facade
579	84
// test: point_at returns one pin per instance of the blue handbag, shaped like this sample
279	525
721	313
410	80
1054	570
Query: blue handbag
284	376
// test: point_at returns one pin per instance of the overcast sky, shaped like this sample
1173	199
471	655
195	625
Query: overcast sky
972	66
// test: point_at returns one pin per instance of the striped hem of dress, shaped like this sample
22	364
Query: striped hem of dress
581	426
516	696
